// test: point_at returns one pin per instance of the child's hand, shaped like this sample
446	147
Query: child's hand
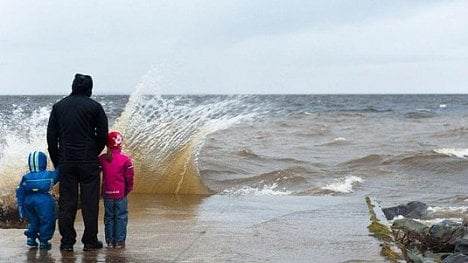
20	212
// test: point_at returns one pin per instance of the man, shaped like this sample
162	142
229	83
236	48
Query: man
76	135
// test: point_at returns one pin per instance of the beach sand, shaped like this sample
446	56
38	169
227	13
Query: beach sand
221	228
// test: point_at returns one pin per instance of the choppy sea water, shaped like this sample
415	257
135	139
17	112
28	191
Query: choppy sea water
396	148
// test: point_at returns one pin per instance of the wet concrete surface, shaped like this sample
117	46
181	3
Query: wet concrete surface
222	228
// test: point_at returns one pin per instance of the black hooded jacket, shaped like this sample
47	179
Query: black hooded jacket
78	127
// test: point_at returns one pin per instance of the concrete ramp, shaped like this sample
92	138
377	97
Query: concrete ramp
222	228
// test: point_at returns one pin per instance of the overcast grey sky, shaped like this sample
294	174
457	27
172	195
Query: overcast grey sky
235	46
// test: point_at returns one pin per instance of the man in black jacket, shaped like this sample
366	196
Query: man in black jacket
76	135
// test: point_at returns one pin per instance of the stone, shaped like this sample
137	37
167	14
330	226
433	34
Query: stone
413	209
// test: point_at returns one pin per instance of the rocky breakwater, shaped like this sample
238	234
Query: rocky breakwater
9	217
444	241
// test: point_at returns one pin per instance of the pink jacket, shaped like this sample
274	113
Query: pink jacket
117	175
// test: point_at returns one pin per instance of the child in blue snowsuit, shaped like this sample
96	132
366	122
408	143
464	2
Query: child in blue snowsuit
35	202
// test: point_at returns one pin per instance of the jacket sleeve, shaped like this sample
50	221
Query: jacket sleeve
20	194
55	175
52	137
102	128
129	175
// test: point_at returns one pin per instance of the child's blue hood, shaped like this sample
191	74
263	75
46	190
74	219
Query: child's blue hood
37	161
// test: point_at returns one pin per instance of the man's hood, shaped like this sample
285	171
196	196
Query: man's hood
82	85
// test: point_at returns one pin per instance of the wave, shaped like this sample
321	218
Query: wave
438	213
164	136
453	152
433	162
290	160
259	190
459	132
344	184
420	114
369	160
456	199
335	142
282	182
21	135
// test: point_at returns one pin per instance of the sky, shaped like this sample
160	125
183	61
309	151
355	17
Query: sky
235	46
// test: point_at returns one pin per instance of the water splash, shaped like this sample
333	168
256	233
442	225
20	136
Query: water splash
164	135
21	135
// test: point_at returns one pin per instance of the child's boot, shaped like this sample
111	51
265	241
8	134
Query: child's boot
45	245
119	245
31	242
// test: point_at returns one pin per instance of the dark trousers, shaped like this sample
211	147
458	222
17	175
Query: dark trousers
85	180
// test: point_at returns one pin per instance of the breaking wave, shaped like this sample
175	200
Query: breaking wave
21	134
164	136
272	189
454	152
343	185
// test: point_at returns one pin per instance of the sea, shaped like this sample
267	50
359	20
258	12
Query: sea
394	148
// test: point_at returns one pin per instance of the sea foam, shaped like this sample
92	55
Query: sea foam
265	190
24	133
343	185
456	152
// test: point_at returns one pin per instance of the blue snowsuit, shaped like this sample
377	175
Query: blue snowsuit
34	200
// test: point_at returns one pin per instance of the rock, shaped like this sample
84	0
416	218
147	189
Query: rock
413	209
462	245
418	240
411	234
444	235
456	258
9	217
446	241
7	214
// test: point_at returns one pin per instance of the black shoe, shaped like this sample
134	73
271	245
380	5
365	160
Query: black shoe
66	248
93	246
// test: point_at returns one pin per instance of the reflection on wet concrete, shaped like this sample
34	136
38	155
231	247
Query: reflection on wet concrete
221	228
149	206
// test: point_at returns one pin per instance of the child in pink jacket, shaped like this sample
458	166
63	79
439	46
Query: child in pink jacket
117	182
